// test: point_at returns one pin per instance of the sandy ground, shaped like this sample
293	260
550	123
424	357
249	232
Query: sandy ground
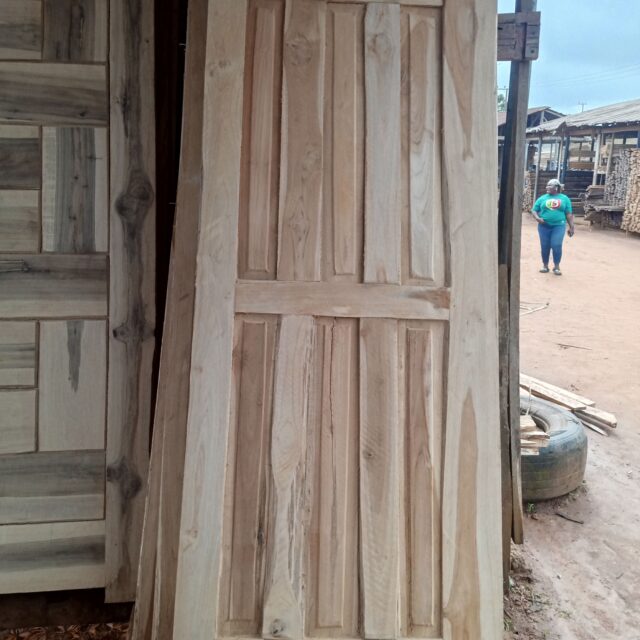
573	581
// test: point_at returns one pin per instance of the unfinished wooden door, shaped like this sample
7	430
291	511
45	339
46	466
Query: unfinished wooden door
76	291
342	469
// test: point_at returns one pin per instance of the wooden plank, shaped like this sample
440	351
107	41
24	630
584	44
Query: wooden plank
73	385
343	299
75	198
75	30
247	519
343	206
332	596
379	471
518	35
19	221
197	588
258	234
423	346
413	3
472	580
301	159
526	380
282	615
423	251
21	30
52	487
50	286
18	423
18	343
20	161
597	416
382	247
49	93
549	394
51	557
132	282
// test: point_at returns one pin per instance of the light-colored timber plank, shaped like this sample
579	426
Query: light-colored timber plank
472	566
73	385
51	557
552	394
75	198
20	162
382	246
598	416
132	287
379	471
52	486
301	156
20	30
18	354
19	221
248	480
332	457
156	592
412	3
17	421
49	93
201	522
283	615
75	30
19	131
343	299
343	206
423	251
258	233
526	380
50	286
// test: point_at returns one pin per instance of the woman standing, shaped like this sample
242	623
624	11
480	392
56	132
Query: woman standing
553	212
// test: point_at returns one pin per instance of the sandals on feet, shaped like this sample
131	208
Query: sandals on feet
557	272
544	270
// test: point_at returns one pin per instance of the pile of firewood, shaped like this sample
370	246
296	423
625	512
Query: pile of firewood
583	408
631	218
615	191
527	192
532	437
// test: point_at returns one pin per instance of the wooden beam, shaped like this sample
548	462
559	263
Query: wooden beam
518	36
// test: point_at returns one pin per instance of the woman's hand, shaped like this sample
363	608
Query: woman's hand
571	231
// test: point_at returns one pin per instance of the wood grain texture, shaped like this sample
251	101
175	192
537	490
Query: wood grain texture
248	480
132	282
156	592
49	93
283	606
50	286
75	30
18	424
51	557
379	477
332	593
301	159
201	522
18	342
382	247
20	30
75	190
19	221
343	299
73	385
343	206
472	580
52	487
413	3
423	239
258	235
20	160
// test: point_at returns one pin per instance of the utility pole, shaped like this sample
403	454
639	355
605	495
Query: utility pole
583	105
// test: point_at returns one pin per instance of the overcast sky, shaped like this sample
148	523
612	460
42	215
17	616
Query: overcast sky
589	52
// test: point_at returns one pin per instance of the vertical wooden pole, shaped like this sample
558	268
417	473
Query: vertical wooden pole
596	162
610	158
509	230
538	161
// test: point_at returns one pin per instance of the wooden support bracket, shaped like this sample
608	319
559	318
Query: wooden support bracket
518	36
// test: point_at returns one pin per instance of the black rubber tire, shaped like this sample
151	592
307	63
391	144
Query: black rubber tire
559	469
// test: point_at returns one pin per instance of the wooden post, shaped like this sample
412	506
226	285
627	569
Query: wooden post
610	158
558	154
538	161
566	145
509	230
596	162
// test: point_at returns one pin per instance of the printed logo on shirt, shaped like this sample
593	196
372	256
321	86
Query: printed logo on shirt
553	203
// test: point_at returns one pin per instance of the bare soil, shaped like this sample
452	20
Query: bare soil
581	581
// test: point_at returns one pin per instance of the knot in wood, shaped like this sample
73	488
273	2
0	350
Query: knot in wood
128	481
133	204
380	45
299	50
277	627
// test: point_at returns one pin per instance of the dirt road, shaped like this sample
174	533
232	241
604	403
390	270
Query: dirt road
586	578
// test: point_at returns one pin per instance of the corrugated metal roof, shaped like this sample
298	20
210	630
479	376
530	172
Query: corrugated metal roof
620	114
502	115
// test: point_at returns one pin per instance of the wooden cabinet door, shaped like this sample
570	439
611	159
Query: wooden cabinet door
76	291
342	470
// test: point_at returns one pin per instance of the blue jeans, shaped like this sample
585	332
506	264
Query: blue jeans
551	238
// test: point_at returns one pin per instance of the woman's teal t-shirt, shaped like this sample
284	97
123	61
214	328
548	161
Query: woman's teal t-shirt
553	208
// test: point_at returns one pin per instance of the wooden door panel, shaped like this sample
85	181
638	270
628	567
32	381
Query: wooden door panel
18	342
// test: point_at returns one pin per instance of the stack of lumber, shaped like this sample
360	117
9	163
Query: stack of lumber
527	192
532	438
615	191
592	418
631	218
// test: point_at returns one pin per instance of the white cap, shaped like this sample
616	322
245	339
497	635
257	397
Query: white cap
555	183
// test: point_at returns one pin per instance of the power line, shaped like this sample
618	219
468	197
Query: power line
593	77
